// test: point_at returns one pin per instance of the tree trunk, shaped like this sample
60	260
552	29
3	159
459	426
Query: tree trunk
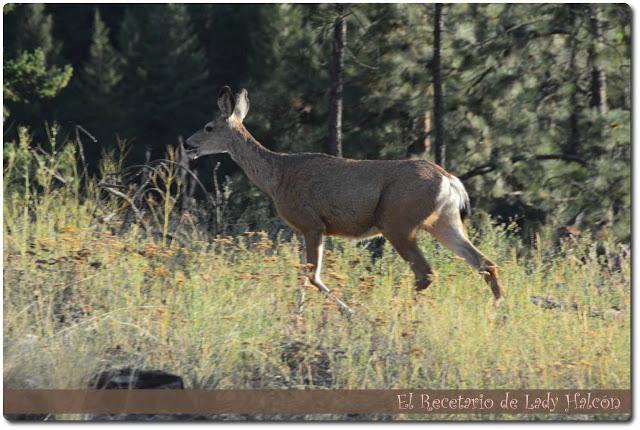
334	145
598	76
428	127
426	140
420	148
573	139
438	105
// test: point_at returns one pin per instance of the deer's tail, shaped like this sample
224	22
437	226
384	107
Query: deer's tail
464	204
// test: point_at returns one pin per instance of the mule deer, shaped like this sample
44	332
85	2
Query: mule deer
318	195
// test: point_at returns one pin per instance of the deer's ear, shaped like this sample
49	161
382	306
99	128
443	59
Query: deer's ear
242	104
225	101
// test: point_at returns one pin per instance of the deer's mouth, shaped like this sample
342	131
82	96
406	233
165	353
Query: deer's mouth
192	151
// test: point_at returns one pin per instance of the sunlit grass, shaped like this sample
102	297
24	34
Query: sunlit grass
223	313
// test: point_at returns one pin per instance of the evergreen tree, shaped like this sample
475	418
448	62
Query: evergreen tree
28	83
95	102
33	72
536	97
165	87
386	80
519	108
230	35
101	74
74	27
283	53
28	78
36	31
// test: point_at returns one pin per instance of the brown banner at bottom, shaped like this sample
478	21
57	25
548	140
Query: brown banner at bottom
318	401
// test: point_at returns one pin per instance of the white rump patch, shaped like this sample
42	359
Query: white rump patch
452	197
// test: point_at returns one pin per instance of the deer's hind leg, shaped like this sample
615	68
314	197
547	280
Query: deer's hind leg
404	241
449	231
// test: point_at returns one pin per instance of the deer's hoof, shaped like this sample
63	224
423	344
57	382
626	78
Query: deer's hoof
426	282
422	287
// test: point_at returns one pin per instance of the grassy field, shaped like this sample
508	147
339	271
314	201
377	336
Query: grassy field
224	313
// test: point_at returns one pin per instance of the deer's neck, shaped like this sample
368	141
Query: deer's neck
258	163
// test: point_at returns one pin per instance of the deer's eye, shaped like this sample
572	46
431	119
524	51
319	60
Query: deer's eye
208	128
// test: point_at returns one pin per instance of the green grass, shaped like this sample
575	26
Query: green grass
223	314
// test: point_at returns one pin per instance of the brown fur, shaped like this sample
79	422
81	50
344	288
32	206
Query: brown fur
320	195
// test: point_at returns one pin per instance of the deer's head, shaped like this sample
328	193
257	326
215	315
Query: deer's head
213	138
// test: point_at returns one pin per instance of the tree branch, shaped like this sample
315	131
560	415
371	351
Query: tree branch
489	167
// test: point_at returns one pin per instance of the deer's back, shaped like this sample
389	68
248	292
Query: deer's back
353	197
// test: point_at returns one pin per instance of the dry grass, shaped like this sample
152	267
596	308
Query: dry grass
223	313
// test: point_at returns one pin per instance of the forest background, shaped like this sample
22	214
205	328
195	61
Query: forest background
529	104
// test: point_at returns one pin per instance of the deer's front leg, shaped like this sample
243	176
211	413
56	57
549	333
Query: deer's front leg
314	248
313	244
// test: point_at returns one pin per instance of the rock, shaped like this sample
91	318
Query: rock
128	378
139	379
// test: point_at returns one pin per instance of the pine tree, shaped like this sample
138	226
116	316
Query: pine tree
101	74
536	97
29	84
36	31
386	80
28	78
95	96
164	83
33	72
293	108
229	35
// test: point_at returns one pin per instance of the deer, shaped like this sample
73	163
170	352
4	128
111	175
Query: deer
320	195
